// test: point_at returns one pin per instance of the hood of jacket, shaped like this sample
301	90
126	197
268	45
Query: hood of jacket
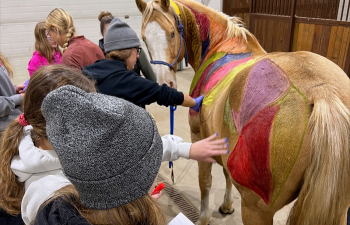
102	69
32	160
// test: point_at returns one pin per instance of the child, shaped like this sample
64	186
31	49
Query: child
142	63
46	50
111	151
78	51
115	76
30	169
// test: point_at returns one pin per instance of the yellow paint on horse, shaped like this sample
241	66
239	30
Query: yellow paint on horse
285	148
176	8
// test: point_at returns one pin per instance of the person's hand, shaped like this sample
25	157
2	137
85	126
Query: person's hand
204	150
198	101
19	88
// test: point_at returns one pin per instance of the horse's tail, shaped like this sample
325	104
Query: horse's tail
325	194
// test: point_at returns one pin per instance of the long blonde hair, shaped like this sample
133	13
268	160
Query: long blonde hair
41	43
7	65
63	22
144	210
46	79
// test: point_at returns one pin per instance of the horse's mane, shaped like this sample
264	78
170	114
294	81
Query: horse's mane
152	5
235	26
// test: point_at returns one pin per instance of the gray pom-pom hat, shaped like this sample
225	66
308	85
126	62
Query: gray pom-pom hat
109	149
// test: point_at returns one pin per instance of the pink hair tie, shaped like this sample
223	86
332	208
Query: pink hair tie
22	120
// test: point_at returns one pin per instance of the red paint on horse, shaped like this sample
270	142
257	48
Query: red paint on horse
203	24
249	162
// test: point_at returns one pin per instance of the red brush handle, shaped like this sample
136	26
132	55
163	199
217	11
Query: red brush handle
158	188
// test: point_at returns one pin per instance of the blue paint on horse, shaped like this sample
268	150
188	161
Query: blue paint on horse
205	47
225	60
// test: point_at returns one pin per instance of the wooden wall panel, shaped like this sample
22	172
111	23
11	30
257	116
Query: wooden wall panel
326	35
337	44
344	47
316	45
331	42
295	37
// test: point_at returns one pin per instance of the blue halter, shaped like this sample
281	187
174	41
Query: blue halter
181	30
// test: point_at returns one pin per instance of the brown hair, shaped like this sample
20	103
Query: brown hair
7	65
63	22
105	18
121	55
42	44
144	210
46	79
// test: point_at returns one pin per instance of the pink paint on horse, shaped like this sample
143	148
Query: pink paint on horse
267	83
221	72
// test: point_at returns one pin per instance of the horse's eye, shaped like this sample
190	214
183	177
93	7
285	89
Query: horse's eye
172	34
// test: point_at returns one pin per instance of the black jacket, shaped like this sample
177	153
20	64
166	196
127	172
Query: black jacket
114	79
59	212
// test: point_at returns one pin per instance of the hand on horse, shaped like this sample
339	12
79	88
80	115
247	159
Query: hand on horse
198	101
204	150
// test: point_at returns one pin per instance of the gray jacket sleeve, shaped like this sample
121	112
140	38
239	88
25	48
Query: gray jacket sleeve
8	97
8	104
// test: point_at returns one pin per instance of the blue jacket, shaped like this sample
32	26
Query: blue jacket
114	79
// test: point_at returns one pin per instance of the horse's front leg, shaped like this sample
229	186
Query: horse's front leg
227	206
205	180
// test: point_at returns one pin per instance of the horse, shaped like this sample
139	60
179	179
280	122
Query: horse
286	115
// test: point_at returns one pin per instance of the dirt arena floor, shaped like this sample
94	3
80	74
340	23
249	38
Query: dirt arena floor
186	171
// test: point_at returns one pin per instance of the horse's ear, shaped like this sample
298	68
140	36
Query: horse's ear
141	5
165	4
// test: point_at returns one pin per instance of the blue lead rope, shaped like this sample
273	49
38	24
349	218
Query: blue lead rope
172	110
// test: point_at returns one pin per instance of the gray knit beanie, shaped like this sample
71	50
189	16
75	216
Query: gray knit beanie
119	35
109	148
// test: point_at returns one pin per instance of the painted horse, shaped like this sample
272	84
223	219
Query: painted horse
286	114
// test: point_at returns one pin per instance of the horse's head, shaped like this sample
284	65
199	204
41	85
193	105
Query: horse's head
161	35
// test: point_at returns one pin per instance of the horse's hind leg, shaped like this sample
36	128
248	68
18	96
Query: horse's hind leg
252	214
227	206
205	180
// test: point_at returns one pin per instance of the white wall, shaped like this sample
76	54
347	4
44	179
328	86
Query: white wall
345	12
19	17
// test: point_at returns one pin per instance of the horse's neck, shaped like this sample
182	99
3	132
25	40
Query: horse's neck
205	31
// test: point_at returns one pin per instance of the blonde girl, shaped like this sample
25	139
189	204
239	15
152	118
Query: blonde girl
46	50
78	51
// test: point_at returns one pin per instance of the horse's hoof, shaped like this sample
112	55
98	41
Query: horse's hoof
226	211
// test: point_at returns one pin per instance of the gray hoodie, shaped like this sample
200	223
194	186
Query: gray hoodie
10	102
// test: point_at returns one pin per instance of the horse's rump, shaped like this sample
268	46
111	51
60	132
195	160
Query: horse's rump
269	116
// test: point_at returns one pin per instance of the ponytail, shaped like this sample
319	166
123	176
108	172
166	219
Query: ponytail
11	190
